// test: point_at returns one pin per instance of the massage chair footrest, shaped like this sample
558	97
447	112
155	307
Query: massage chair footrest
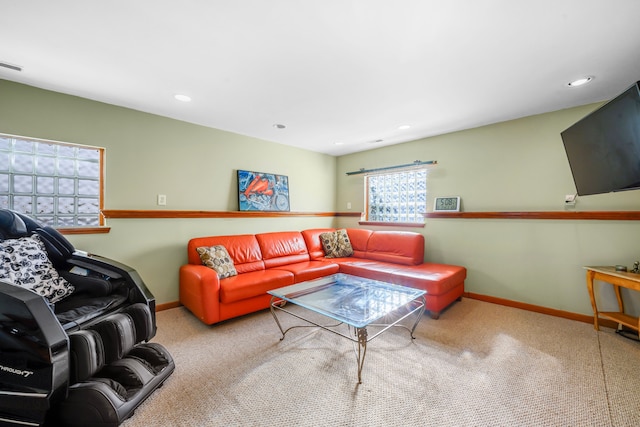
112	394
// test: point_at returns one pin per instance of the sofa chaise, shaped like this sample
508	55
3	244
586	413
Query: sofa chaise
261	262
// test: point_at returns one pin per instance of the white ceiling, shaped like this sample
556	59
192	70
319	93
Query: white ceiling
332	71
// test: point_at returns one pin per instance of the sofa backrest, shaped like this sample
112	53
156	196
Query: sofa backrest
359	238
282	248
242	248
312	240
399	247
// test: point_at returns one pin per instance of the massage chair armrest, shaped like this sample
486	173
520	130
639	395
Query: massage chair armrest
35	347
24	312
114	270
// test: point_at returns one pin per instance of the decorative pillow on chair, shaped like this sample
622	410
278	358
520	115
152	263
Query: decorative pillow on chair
24	262
336	244
218	258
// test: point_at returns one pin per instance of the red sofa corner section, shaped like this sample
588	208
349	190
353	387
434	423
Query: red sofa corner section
271	260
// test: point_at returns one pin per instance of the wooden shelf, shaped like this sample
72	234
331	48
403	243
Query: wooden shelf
561	215
622	318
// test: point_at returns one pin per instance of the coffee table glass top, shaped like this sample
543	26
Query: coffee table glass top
356	301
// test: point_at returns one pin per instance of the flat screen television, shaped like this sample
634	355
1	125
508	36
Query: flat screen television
603	148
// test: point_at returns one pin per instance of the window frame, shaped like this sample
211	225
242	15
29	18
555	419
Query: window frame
366	220
75	229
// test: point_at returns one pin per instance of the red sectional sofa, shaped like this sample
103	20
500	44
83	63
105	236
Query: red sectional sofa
271	260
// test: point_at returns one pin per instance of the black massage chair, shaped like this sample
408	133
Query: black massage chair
85	360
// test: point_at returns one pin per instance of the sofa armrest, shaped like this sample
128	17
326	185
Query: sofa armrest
200	292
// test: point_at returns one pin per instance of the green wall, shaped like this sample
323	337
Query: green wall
519	165
194	166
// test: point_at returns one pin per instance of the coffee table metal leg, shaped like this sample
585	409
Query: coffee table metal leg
362	350
273	313
420	313
356	335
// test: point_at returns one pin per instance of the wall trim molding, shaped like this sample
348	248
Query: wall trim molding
561	215
84	230
146	214
539	309
150	214
557	215
168	305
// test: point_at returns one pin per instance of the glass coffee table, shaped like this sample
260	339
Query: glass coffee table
359	303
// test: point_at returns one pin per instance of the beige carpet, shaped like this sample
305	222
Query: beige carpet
480	364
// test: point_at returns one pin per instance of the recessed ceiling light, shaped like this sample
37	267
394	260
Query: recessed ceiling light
279	126
579	82
338	143
404	127
183	98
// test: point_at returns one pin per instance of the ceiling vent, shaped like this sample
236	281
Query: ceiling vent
11	66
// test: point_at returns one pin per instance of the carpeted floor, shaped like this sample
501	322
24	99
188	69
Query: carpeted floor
480	364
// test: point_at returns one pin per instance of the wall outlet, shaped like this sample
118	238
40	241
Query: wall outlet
162	199
348	205
569	201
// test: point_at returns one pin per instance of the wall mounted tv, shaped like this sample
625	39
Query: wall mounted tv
603	148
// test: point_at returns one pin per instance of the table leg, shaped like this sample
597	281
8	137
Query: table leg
420	313
362	350
273	313
590	276
616	288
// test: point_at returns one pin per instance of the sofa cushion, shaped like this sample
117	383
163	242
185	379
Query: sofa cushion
312	240
436	279
218	258
242	248
310	270
336	244
282	248
398	247
24	262
255	283
359	238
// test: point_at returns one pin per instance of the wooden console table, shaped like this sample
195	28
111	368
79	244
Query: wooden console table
617	279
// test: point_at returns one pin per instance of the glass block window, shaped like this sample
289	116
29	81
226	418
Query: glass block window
58	184
399	196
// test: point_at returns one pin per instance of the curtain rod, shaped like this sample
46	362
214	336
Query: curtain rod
415	163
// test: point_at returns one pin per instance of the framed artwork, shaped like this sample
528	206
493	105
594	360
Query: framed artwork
260	191
446	204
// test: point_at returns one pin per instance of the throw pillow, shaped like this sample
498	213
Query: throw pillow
336	244
24	262
218	258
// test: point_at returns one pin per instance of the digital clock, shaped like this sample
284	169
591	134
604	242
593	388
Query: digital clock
446	204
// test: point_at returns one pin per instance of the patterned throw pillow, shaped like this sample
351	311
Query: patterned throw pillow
336	244
218	258
24	262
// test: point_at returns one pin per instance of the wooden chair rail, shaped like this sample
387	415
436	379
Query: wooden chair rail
553	215
114	213
557	215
